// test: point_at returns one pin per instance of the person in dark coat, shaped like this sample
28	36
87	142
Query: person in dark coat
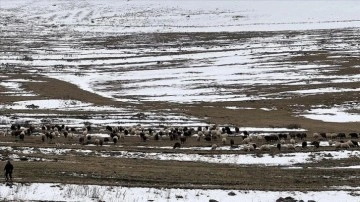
8	171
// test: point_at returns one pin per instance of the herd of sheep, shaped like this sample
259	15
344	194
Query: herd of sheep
214	135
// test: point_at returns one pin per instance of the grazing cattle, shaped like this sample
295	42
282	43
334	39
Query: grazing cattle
323	135
227	130
115	139
207	138
237	129
109	128
354	135
176	145
187	133
283	136
81	140
271	138
292	135
182	139
22	136
341	135
143	136
304	144
316	144
355	143
301	135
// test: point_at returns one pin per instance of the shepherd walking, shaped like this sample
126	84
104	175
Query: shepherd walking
8	171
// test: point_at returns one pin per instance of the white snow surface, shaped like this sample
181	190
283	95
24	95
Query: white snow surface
185	16
195	72
90	193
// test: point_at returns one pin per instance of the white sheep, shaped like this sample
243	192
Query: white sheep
265	147
122	136
218	133
249	147
96	142
247	140
350	143
223	140
342	145
289	146
206	132
333	135
85	132
225	135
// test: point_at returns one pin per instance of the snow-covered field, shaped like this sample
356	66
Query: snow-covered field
67	40
71	192
136	51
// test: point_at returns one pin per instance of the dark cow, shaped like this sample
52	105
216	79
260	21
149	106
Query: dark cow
283	136
316	144
176	145
237	129
301	135
304	144
207	138
323	135
341	135
355	143
354	135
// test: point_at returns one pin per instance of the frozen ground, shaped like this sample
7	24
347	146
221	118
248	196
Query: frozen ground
71	192
179	52
69	41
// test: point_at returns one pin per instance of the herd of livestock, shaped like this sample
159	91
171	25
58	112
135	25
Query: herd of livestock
216	136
